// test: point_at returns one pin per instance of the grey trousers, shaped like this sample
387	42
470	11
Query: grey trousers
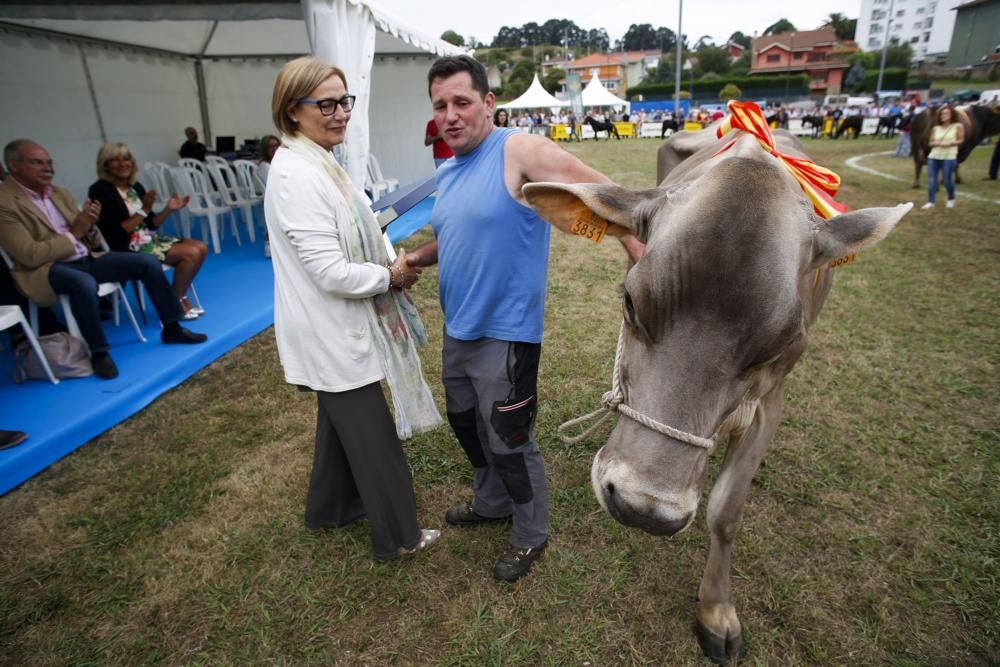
492	399
360	470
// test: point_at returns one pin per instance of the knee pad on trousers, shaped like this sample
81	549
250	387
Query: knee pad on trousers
464	426
514	474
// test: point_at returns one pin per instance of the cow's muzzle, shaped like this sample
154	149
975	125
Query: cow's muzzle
626	514
625	499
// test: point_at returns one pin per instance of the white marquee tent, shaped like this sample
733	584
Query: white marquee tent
77	74
596	95
535	97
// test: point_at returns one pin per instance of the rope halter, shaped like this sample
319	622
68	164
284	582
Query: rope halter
613	402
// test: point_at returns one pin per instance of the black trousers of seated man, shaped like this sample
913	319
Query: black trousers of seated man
79	279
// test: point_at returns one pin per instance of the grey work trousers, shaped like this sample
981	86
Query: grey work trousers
491	394
360	470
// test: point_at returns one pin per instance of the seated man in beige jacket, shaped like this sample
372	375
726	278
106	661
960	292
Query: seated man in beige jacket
56	249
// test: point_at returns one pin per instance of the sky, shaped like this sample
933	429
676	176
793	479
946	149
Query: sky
716	18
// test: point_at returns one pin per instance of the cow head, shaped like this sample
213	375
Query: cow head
714	314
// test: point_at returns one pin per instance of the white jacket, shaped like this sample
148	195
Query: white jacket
320	318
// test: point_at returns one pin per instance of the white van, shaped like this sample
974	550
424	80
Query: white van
846	101
987	96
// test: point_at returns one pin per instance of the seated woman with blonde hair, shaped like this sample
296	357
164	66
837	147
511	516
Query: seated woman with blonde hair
128	222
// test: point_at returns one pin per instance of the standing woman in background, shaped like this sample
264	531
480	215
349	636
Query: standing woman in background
947	135
269	145
341	318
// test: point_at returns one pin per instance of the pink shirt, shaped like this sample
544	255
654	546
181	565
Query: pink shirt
56	219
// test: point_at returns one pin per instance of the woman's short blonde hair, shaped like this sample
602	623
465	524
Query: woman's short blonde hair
295	81
111	151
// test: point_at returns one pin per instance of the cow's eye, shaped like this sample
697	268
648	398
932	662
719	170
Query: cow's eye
629	308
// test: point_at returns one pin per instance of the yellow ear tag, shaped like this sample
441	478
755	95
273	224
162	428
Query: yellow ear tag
590	226
840	261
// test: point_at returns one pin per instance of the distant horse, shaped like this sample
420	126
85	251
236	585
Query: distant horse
849	124
890	123
598	126
815	121
668	124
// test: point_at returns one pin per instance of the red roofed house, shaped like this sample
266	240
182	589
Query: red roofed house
817	53
616	70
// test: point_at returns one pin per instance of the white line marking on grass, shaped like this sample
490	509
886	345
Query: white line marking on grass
854	163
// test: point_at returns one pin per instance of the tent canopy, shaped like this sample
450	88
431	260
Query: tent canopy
596	95
535	97
140	71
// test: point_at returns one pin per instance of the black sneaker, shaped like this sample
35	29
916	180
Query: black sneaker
104	366
516	562
12	438
175	333
462	515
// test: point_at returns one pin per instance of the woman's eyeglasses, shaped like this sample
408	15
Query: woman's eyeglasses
328	106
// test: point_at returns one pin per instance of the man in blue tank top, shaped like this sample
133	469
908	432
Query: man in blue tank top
493	254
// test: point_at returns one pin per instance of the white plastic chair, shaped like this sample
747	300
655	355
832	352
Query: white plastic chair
228	186
193	183
157	175
11	315
376	182
103	289
248	176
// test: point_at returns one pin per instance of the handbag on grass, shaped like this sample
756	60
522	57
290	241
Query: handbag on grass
67	357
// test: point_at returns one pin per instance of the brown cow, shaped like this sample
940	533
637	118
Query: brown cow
980	121
716	313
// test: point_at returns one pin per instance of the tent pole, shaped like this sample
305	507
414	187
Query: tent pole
199	75
93	93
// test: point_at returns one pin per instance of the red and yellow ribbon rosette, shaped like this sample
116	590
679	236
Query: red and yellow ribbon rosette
820	184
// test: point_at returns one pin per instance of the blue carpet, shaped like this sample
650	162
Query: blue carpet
236	287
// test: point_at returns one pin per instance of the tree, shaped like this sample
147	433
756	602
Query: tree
712	59
520	78
898	55
742	66
598	40
453	37
703	41
639	37
663	72
507	37
730	92
842	26
779	26
855	75
667	39
552	79
741	39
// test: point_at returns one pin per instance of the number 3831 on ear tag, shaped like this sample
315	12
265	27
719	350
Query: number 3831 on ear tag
590	226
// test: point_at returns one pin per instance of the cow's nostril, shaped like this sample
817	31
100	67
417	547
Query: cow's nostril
611	489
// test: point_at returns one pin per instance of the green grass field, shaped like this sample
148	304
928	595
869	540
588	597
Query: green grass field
870	535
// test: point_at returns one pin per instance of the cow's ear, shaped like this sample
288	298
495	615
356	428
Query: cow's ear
854	231
588	209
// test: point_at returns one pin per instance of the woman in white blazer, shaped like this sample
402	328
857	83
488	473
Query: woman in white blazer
341	318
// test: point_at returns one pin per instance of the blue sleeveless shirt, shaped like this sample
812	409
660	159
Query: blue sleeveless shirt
493	252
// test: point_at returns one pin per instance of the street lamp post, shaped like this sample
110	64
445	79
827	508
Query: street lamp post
677	74
885	48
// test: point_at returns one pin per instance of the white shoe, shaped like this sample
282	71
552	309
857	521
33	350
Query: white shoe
928	205
428	536
950	203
